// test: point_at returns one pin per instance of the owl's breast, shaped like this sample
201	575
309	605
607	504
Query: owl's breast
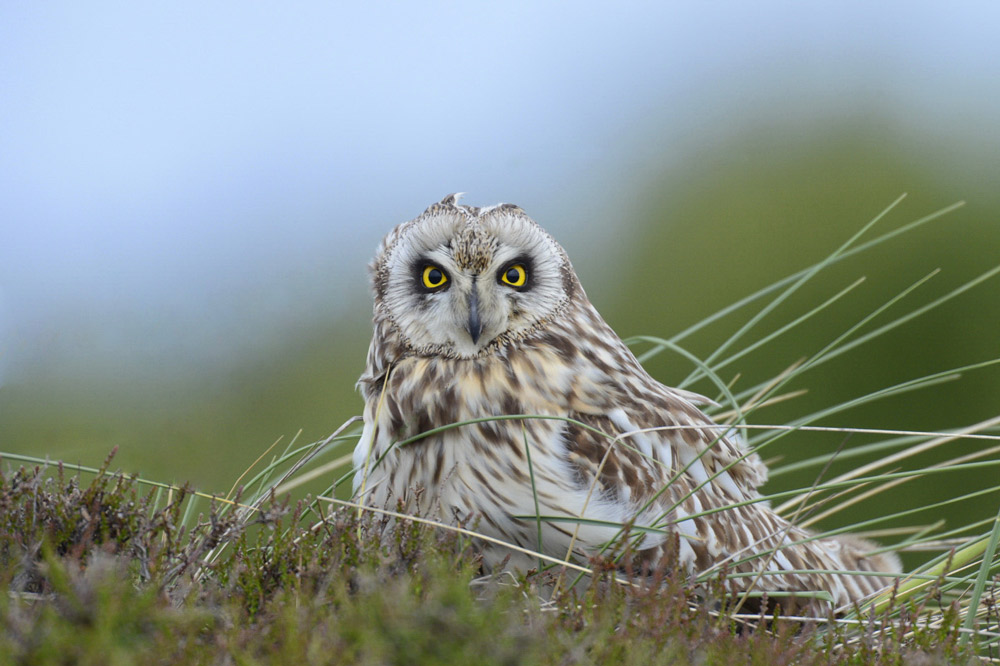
442	427
427	393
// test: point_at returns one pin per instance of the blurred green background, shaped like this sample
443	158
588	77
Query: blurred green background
187	229
738	219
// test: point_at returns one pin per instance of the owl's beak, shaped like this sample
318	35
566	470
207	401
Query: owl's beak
475	326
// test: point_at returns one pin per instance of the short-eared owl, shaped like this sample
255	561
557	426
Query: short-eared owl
479	314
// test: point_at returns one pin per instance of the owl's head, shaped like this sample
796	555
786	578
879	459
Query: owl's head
460	280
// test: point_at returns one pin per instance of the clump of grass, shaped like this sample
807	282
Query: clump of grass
99	573
81	589
122	569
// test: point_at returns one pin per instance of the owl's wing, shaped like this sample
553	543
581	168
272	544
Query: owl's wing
664	475
594	375
701	484
636	449
661	431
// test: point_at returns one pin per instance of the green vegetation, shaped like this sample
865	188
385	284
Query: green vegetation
105	573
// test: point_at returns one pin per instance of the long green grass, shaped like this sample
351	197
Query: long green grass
117	568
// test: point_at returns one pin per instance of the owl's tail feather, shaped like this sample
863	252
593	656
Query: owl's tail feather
849	568
859	554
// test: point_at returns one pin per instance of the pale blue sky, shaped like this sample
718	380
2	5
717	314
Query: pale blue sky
174	176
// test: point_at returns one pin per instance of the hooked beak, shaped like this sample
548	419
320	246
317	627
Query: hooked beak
475	326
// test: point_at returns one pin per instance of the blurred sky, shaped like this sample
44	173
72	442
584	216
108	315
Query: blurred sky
181	182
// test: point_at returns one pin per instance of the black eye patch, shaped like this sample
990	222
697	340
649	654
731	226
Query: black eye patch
430	277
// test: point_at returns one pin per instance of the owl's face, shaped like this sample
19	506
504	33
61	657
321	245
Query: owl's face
460	280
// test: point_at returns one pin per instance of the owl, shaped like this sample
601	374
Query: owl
478	316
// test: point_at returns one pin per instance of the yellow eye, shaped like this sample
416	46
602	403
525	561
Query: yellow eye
434	277
514	275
